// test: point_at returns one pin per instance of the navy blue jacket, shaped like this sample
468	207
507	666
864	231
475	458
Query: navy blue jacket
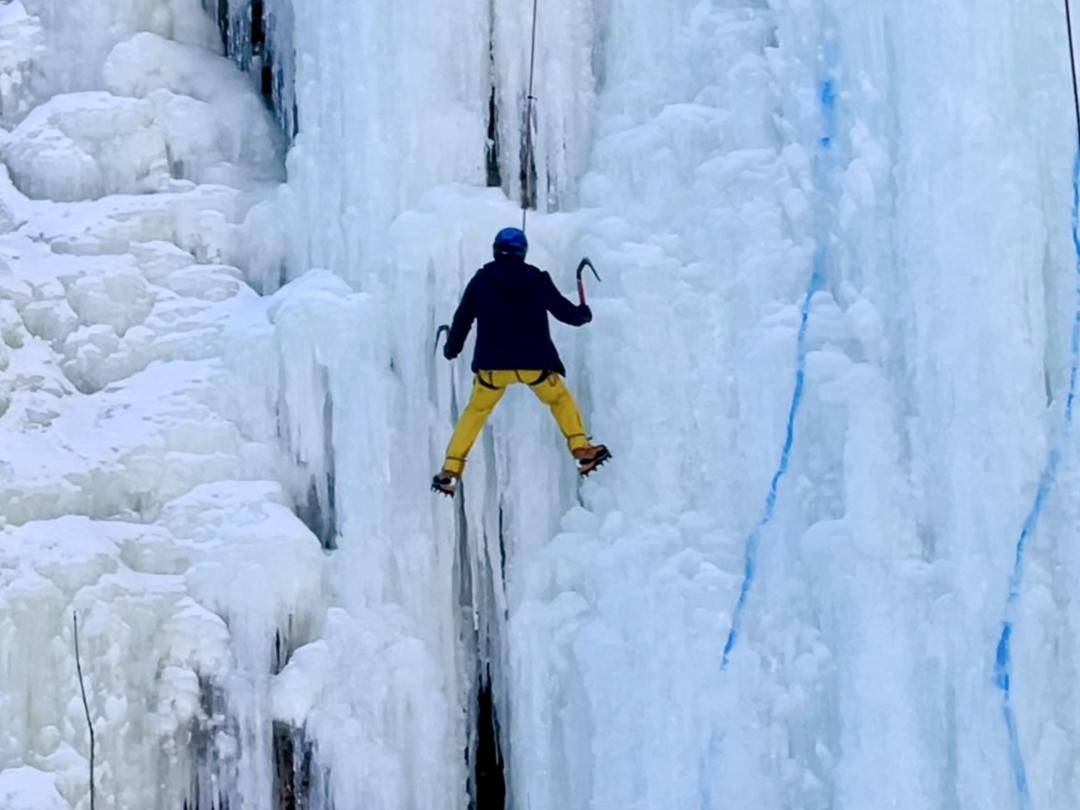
510	302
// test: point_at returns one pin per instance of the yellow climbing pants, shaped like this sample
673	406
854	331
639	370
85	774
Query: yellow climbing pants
488	389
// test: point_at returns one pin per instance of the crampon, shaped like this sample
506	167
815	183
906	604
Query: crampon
445	483
589	459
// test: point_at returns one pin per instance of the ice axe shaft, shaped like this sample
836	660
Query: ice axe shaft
580	281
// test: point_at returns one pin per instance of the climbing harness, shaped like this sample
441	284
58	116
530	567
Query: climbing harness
489	383
543	375
527	165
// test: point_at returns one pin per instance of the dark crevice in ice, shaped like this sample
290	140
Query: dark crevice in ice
212	741
319	510
299	784
257	35
488	775
316	518
288	639
220	9
494	173
502	550
329	535
317	506
292	768
258	28
528	175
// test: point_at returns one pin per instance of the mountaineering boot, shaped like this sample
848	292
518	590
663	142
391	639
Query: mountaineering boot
445	482
591	457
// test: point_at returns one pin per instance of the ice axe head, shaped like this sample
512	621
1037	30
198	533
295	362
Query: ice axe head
580	282
438	336
586	263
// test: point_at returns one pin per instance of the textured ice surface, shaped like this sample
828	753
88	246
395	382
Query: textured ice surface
229	481
20	34
139	482
174	112
31	789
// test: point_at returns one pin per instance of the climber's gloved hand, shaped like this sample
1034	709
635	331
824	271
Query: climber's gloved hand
586	314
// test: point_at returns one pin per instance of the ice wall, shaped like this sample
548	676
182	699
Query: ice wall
930	183
917	159
830	355
141	482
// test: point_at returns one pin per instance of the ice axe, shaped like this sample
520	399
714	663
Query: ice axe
580	282
438	336
445	329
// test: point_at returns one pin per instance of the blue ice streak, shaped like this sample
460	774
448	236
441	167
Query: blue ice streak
1071	401
1003	663
754	540
827	97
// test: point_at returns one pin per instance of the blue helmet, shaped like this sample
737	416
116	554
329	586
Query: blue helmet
511	242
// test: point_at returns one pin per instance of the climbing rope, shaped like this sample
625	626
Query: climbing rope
1076	216
1072	65
827	100
527	164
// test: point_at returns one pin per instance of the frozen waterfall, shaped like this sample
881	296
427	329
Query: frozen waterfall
833	353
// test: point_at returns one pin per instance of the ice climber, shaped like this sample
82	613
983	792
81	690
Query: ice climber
510	301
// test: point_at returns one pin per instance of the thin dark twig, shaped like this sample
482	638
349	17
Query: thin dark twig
86	705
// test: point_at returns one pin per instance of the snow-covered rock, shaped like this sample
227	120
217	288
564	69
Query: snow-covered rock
134	486
87	145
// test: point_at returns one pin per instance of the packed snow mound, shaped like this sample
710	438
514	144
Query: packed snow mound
111	289
141	485
820	247
148	62
81	322
381	650
28	788
241	126
77	35
88	145
140	592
